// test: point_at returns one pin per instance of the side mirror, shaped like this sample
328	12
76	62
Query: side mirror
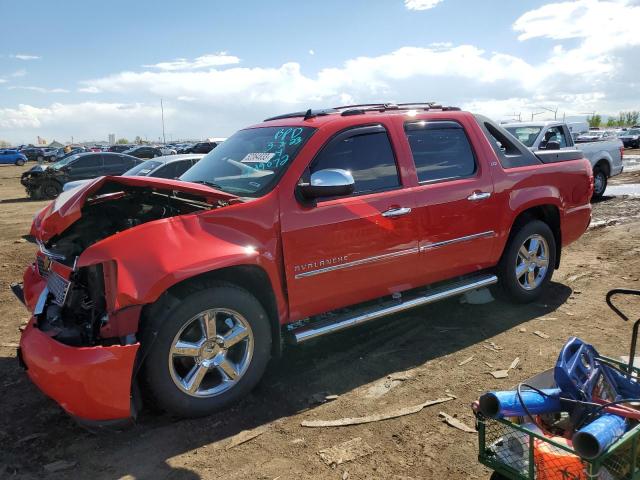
332	182
553	145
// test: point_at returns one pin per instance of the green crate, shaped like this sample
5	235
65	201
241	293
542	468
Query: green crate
619	462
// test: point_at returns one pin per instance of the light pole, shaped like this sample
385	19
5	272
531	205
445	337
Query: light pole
164	140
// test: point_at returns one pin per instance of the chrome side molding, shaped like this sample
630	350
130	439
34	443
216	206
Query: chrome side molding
309	332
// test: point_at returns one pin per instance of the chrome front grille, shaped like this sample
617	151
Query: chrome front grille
43	270
58	288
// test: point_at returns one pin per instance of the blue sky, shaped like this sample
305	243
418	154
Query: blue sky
219	65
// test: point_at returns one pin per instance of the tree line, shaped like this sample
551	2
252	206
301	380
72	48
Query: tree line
624	119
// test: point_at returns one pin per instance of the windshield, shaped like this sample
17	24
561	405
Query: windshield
632	132
65	161
526	135
251	161
142	169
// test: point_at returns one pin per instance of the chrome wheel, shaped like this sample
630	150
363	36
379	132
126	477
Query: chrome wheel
532	262
211	352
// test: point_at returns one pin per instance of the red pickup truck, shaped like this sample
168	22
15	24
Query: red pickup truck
183	290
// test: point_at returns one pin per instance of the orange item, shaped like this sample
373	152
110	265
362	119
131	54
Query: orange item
553	463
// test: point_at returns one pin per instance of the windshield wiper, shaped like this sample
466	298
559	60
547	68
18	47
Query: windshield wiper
208	184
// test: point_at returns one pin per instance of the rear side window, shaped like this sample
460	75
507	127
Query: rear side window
89	161
441	150
112	160
369	157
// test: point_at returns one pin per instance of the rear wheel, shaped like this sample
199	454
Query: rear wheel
40	158
50	189
599	182
211	349
20	162
528	261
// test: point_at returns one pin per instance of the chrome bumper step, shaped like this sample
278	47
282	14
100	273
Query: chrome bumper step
320	328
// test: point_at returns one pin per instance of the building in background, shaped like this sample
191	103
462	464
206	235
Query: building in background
112	138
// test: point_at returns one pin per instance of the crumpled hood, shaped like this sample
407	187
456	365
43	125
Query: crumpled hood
67	208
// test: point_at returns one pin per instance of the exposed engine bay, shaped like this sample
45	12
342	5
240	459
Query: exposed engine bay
75	309
109	212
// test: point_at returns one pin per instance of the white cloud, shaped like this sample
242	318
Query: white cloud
39	89
22	56
89	90
580	73
19	73
3	80
312	52
205	61
421	4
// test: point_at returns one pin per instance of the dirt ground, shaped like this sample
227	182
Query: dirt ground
391	364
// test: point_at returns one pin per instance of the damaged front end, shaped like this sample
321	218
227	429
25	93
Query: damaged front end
80	347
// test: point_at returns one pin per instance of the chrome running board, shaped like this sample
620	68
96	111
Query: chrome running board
320	328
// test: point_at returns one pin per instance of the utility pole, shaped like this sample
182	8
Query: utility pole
534	114
164	140
555	112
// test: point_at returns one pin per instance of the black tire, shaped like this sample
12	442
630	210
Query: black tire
599	182
498	476
162	388
40	158
20	162
50	189
510	284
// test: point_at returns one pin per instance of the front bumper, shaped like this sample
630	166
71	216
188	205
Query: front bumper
93	384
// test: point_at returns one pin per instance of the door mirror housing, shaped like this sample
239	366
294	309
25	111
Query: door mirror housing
331	182
552	145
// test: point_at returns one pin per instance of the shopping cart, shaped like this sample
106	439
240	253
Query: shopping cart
516	450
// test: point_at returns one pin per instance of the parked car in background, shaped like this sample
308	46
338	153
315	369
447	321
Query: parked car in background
32	153
189	287
169	166
12	157
144	151
605	153
596	135
202	147
47	182
120	148
630	138
166	150
183	147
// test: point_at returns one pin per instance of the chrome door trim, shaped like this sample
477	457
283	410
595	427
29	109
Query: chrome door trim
396	212
356	263
431	246
475	196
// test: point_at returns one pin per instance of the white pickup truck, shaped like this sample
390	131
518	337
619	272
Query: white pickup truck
605	155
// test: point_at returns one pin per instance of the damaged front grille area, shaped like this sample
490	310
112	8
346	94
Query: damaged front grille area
58	288
43	270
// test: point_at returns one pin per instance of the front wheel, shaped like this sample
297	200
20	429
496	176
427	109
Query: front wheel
211	349
20	162
528	261
50	189
599	182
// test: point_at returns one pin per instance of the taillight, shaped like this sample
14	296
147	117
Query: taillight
621	152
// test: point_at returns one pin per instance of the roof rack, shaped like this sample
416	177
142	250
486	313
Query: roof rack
383	107
307	114
360	109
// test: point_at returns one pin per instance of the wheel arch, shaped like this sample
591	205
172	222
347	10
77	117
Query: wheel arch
252	278
547	213
605	165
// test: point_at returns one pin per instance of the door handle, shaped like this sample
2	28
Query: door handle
396	212
475	196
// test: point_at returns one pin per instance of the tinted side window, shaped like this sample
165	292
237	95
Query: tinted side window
112	160
167	171
181	167
368	157
127	161
90	161
554	134
440	150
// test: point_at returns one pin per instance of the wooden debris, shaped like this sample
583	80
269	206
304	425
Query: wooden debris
9	345
500	373
345	452
496	346
523	329
455	423
342	422
488	364
245	436
515	363
541	334
465	361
